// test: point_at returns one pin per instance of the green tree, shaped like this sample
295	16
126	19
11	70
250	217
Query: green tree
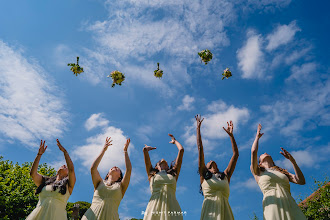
83	206
317	206
17	198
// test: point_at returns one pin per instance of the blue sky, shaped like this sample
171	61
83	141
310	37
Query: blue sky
277	51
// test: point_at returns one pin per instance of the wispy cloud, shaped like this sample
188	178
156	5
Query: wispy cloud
187	102
31	107
139	33
282	35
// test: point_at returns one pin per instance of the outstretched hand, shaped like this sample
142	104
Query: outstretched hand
259	135
127	144
60	146
107	143
173	139
286	154
229	129
42	148
148	148
199	120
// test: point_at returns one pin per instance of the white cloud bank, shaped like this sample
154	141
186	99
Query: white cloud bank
30	104
187	102
114	156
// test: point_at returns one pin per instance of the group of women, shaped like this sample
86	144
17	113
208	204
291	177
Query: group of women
273	181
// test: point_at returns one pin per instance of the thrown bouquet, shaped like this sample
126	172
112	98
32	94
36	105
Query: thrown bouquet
226	73
117	78
205	55
158	72
75	68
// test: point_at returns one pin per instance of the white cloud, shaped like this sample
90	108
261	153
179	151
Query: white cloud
114	156
264	5
303	72
249	183
31	106
282	35
96	120
213	122
250	57
187	102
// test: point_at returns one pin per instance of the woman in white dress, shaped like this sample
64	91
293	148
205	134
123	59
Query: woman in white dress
55	191
109	192
215	184
273	181
163	204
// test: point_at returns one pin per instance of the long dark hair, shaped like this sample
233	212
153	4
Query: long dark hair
208	175
119	179
61	184
171	170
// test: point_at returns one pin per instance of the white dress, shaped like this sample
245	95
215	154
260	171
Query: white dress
163	204
278	203
51	205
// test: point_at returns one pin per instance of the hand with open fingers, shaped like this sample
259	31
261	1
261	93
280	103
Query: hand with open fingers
127	144
259	135
286	154
230	128
107	143
148	148
199	120
173	139
60	146
42	148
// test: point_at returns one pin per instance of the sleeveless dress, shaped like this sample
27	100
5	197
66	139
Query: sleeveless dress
106	200
51	205
278	203
215	204
163	204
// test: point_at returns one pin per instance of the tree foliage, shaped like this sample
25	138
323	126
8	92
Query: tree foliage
318	207
17	198
83	206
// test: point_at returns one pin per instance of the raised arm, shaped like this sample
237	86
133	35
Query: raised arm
127	176
96	178
298	177
36	177
147	161
72	175
201	161
232	163
254	154
178	160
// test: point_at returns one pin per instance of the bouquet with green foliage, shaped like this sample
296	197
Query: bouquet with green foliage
205	55
158	72
75	68
117	78
226	73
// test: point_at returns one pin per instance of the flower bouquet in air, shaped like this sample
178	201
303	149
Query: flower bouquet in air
205	55
158	72
117	78
75	68
226	73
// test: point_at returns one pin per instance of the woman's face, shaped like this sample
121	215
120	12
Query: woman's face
115	173
63	171
162	165
212	165
265	158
